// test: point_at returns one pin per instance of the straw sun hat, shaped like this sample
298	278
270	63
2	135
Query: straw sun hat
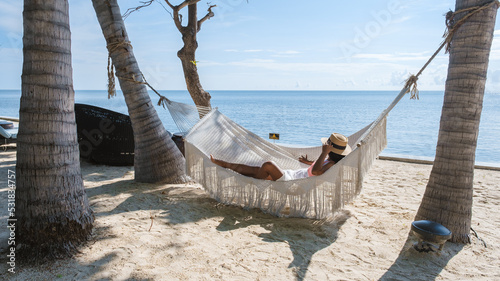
338	143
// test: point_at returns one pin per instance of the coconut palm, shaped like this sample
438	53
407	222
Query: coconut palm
448	195
156	155
51	207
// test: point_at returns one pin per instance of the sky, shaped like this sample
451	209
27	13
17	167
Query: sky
263	45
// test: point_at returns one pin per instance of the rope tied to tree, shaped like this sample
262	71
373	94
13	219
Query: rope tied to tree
411	86
451	27
111	77
161	102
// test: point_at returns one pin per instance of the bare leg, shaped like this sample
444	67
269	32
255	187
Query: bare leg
268	170
249	171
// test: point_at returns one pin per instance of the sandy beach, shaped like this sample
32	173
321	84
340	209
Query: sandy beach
176	232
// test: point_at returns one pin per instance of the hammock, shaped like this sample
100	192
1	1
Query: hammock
315	197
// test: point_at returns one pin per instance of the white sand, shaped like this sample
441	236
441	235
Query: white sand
192	237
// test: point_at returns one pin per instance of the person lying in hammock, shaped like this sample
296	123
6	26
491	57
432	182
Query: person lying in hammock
334	149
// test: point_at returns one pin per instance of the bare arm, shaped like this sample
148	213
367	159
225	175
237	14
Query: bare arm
319	168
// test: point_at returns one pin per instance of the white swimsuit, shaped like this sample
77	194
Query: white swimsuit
294	174
298	173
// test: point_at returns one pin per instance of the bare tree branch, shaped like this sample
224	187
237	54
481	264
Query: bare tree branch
168	11
209	15
187	3
183	4
171	6
176	16
131	10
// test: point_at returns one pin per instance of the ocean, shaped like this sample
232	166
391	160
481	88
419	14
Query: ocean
301	118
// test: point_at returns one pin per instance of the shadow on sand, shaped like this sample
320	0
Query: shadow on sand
296	232
190	205
181	204
410	262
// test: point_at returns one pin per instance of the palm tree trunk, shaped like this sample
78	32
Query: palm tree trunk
157	158
52	210
448	195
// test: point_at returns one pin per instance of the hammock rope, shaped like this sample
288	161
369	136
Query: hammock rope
184	119
451	27
410	85
111	76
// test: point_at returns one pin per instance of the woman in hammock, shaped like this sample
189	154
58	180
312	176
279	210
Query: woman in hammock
334	149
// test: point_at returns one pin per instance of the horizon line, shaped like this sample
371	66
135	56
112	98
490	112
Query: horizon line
256	90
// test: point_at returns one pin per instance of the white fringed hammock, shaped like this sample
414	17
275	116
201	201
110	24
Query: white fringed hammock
315	197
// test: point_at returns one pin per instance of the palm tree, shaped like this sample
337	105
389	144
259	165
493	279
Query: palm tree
52	209
448	195
156	155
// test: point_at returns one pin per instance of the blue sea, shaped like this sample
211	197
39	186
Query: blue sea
303	117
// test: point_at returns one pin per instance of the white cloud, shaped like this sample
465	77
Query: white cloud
495	46
272	52
424	56
289	52
338	69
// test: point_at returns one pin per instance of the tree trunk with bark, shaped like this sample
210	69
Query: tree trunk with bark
187	54
157	158
52	209
448	195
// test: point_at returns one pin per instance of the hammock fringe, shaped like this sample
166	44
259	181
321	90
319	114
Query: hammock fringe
316	197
